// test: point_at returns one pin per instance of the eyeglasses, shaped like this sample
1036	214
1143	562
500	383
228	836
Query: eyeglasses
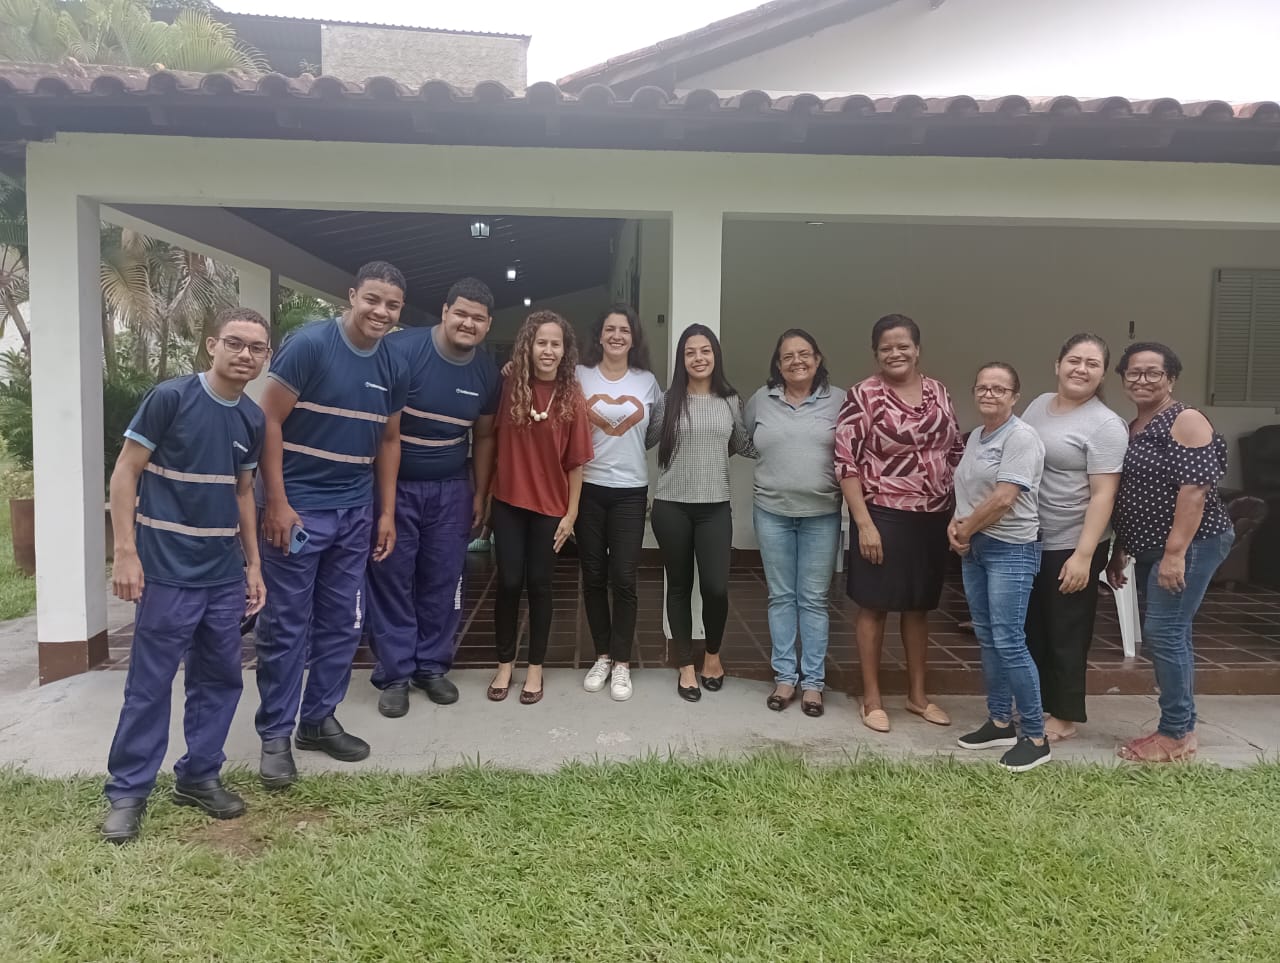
235	346
801	356
1150	377
994	391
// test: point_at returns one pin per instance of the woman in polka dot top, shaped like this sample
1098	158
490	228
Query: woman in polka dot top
1170	519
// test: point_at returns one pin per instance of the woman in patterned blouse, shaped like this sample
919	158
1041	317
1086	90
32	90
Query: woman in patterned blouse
1169	518
897	446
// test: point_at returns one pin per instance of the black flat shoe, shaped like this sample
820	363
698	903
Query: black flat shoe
712	683
211	797
393	701
330	738
124	821
276	768
689	693
438	689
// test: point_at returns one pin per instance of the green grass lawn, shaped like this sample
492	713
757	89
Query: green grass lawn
17	591
761	860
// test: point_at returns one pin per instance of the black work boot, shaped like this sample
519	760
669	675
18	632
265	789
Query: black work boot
438	689
330	738
393	701
124	821
210	796
276	768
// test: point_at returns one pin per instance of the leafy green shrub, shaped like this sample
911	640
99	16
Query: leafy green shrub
122	392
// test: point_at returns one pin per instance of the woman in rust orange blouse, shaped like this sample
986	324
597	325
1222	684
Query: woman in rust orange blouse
897	446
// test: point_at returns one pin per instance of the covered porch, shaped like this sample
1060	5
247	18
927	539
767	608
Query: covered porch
1002	227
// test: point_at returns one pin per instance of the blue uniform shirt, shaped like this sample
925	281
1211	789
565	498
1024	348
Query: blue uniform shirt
188	517
445	399
345	396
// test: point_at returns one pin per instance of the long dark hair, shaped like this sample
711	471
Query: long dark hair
677	397
820	377
637	356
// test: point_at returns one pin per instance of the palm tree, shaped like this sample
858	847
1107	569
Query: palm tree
14	284
121	33
164	296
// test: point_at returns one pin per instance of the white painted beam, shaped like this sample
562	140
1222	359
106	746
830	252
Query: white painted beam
66	382
258	289
129	169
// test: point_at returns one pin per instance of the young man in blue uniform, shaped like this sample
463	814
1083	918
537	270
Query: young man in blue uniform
186	551
332	403
416	592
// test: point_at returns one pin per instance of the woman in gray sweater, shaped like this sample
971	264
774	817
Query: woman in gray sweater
697	425
792	423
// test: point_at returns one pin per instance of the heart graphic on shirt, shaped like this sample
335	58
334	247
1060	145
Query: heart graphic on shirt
615	416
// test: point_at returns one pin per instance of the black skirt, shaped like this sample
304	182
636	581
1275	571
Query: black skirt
915	562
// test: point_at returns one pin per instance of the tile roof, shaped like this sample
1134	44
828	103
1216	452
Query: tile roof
37	100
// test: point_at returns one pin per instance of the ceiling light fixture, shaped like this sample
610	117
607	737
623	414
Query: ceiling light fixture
511	274
528	302
815	223
479	230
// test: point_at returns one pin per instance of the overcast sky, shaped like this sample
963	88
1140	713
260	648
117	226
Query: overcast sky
567	34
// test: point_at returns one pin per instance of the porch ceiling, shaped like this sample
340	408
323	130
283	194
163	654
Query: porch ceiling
552	255
37	101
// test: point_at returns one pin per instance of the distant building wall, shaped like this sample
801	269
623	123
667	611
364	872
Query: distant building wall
413	56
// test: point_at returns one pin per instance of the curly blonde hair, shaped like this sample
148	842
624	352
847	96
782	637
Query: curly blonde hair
568	393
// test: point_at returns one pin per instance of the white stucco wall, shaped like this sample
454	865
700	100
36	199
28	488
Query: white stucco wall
415	56
979	294
1187	49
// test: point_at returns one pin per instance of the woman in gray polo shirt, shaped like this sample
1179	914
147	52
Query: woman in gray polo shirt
792	422
996	531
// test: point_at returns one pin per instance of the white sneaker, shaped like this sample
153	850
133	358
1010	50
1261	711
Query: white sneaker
598	674
621	687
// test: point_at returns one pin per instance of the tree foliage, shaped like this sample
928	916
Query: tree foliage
121	33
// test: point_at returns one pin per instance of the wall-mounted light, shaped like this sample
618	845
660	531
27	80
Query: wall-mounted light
528	302
479	230
511	274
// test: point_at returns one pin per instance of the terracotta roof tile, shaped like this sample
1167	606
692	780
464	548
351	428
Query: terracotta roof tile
38	99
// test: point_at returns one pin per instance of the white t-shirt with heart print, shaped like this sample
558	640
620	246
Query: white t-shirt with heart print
619	413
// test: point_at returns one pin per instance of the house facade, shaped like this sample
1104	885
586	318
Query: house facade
1001	224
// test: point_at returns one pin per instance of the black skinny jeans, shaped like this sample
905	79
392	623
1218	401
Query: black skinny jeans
610	533
685	532
524	543
1060	631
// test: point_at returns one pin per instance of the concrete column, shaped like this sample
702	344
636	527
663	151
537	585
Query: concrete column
66	380
258	286
696	248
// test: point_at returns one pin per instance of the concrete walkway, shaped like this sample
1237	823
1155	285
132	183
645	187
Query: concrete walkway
66	727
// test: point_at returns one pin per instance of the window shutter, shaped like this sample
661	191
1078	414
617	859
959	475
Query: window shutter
1245	347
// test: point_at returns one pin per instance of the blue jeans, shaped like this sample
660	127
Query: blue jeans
798	556
997	581
1166	627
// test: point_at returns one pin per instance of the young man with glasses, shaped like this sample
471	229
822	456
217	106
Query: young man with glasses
332	403
416	592
186	553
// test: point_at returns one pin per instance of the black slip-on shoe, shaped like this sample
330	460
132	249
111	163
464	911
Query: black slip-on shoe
689	693
330	738
1026	755
210	796
393	702
438	689
712	683
124	820
989	736
276	768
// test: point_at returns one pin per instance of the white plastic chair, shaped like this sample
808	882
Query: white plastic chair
1127	610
